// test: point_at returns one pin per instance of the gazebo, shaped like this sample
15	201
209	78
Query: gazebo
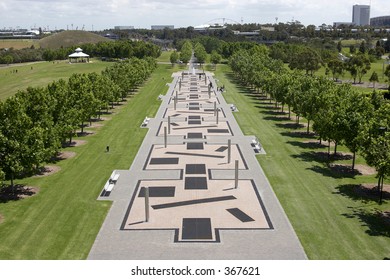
78	56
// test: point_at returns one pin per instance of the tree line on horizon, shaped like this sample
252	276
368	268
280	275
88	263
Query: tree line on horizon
111	50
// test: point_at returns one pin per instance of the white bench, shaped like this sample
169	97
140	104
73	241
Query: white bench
115	178
145	122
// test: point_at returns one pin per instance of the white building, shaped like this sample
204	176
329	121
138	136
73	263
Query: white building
361	15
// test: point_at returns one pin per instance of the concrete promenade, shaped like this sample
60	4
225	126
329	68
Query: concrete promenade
206	195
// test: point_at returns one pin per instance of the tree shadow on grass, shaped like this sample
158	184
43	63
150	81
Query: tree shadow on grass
299	134
335	171
307	145
312	157
276	118
359	192
376	222
290	125
7	193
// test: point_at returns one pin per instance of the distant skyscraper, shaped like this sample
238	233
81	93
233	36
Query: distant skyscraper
361	15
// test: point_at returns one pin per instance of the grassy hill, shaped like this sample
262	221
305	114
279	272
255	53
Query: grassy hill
70	38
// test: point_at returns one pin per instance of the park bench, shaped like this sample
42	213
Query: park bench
145	122
256	145
110	184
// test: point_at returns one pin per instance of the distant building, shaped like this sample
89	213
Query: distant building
361	15
337	24
383	21
162	27
123	27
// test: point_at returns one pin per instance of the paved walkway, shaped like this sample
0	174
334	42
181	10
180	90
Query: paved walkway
207	196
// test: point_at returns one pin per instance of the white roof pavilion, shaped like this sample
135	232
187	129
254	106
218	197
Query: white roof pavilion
78	56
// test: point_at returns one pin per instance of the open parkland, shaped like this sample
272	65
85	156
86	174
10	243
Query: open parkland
281	202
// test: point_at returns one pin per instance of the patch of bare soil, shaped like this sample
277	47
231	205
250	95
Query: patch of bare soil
343	169
47	170
337	156
75	143
316	143
365	169
360	169
64	155
95	125
371	191
17	192
85	133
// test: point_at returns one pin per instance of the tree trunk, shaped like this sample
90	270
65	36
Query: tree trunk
289	112
308	126
12	181
335	147
379	182
328	149
353	160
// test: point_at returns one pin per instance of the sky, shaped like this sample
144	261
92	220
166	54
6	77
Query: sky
105	14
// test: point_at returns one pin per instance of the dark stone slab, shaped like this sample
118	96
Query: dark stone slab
194	97
174	124
158	192
217	130
194	117
194	135
192	202
164	161
195	168
195	146
194	104
193	108
242	216
194	122
221	149
196	228
194	155
195	183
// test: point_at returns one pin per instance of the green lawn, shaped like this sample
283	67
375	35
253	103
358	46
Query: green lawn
62	221
331	221
41	74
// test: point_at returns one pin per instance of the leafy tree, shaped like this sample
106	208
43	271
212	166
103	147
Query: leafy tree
336	66
374	78
215	58
363	47
375	140
387	74
174	57
307	59
200	53
358	66
339	46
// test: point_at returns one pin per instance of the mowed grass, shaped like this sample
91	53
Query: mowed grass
331	221
41	74
18	43
62	221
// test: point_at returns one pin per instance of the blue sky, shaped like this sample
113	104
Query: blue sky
104	14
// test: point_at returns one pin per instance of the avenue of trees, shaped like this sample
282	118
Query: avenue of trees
339	113
36	122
